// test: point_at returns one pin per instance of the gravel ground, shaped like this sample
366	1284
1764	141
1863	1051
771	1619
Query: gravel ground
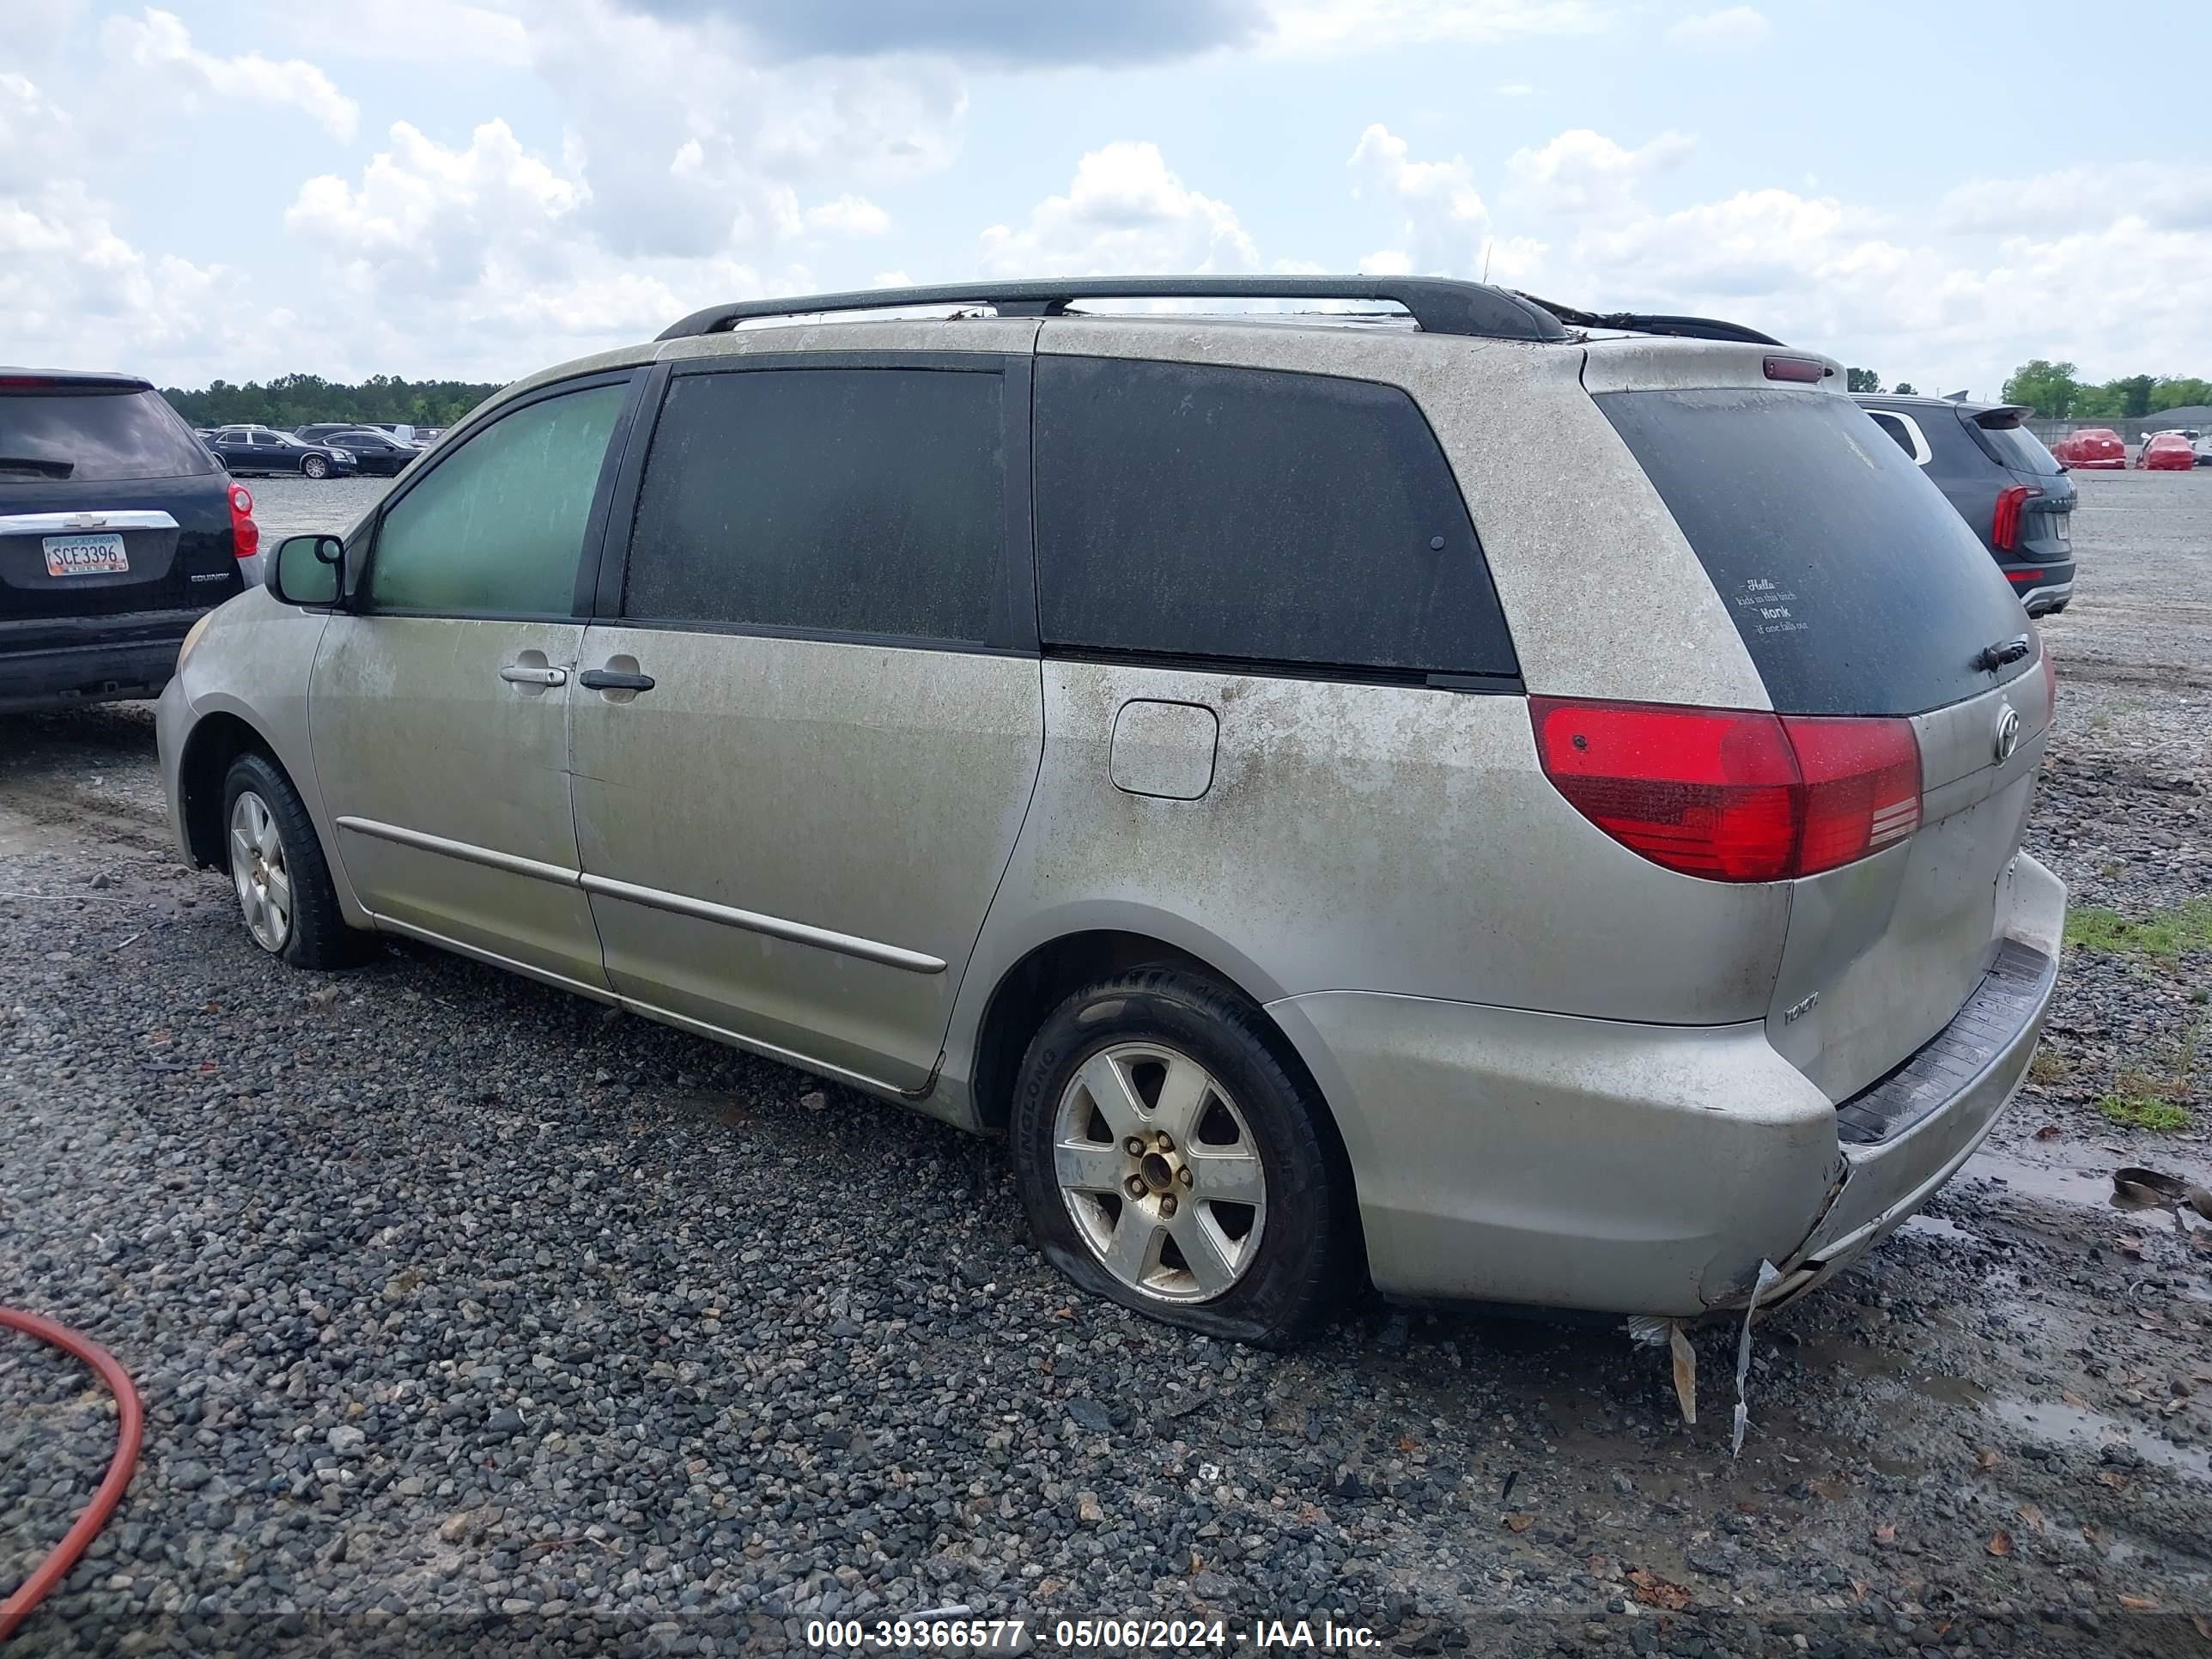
468	1315
293	506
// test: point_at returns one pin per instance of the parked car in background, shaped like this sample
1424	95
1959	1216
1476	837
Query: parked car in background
399	429
2168	452
2199	445
2011	492
245	449
119	532
2093	447
373	452
1201	750
426	435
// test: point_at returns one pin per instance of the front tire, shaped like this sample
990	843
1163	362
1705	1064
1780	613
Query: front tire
315	466
1167	1159
276	862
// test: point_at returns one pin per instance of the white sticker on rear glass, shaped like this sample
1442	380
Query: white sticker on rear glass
1765	606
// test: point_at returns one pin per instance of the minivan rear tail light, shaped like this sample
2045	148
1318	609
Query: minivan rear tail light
244	534
1806	370
1733	794
2004	525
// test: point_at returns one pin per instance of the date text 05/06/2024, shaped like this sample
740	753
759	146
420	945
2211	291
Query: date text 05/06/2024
965	1634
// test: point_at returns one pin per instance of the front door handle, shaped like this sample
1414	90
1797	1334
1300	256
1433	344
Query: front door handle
611	679
523	673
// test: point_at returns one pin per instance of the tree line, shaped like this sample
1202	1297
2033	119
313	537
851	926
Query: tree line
2054	392
291	400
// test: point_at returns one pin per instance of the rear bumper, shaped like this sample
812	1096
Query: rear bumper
1504	1156
93	671
2042	588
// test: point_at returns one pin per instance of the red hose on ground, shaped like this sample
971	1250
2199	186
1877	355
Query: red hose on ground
130	1430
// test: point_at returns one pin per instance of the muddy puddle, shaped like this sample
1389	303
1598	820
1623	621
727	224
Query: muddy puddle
2059	1423
2074	1175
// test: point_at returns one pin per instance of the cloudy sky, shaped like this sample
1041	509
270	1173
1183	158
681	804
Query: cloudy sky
240	188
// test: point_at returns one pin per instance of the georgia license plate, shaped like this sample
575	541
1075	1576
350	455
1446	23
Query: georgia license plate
86	556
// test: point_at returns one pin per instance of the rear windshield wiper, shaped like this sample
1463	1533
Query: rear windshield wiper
36	466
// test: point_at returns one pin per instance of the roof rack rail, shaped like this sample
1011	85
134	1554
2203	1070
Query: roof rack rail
1690	328
1437	305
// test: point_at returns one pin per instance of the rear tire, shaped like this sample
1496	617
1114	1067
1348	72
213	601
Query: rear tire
1169	1161
276	865
315	466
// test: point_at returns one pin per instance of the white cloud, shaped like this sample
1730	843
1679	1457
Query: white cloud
77	293
1735	28
1125	212
2108	270
848	215
693	148
2167	194
425	216
438	32
1513	89
1584	173
1335	26
159	49
33	30
1446	220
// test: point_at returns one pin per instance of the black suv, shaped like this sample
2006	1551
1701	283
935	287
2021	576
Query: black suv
2005	484
117	532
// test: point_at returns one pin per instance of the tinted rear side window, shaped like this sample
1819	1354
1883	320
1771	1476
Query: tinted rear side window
852	501
1856	587
1254	516
97	435
2016	447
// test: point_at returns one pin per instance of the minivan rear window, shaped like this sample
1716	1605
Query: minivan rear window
1857	588
100	435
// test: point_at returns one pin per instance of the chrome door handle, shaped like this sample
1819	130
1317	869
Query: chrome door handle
517	673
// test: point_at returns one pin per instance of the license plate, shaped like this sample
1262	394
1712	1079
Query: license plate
86	556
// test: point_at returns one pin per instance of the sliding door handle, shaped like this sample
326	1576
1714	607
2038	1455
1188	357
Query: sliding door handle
610	679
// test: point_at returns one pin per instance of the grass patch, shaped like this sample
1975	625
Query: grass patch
2133	1111
2165	934
2046	1067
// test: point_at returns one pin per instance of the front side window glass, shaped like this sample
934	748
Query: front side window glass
499	525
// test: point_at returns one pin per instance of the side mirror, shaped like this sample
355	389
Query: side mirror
308	570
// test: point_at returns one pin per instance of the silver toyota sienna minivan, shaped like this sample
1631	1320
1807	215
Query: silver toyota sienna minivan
1523	805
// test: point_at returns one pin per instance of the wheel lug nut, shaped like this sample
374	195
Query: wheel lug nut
1167	1205
1136	1187
1163	1143
1184	1176
1135	1147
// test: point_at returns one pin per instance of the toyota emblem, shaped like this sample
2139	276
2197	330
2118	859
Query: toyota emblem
2007	732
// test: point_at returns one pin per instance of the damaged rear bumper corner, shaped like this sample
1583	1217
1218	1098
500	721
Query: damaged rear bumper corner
1510	1156
1504	1156
1933	1111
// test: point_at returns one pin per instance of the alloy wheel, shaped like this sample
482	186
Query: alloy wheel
1159	1170
257	865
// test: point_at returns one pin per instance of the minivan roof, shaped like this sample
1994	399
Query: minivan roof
1438	305
1435	305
